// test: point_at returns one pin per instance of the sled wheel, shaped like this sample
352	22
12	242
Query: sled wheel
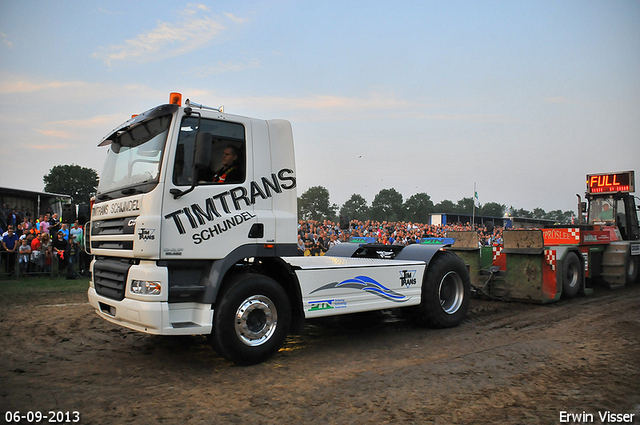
251	320
572	275
632	272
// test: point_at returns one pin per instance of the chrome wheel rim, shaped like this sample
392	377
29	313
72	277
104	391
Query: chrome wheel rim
572	275
451	292
256	320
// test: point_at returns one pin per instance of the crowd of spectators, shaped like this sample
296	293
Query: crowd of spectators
33	245
315	238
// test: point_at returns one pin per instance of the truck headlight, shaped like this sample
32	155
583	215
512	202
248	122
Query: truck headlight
145	287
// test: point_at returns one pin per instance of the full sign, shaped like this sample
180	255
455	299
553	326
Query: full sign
611	182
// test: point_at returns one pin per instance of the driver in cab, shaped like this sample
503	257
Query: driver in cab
606	214
231	172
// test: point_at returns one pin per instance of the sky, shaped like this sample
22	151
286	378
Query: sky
520	98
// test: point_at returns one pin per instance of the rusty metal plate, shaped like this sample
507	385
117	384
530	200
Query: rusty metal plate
467	239
523	239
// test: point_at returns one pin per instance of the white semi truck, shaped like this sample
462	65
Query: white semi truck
179	252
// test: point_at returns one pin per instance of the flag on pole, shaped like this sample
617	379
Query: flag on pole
476	202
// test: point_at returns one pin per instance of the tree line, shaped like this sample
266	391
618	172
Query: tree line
389	205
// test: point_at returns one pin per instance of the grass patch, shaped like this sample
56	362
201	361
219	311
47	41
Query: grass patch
29	290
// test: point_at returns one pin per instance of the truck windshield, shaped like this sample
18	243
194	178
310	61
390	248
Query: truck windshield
603	211
133	161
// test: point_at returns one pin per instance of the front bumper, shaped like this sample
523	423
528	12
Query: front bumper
154	317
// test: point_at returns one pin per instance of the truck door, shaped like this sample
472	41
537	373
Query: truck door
265	187
631	219
213	215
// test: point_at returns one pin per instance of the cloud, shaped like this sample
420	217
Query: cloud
168	40
375	106
72	92
335	103
67	111
6	42
193	8
470	117
24	86
109	12
68	129
235	19
48	146
55	133
13	120
317	108
221	68
99	120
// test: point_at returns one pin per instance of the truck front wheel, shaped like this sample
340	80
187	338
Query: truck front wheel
251	319
446	292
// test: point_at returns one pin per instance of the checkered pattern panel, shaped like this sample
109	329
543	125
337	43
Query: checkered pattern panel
496	252
575	234
550	257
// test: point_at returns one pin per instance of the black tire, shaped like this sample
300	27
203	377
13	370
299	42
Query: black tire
572	275
251	320
632	272
446	292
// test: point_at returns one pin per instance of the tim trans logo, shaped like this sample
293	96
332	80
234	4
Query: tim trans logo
408	278
146	234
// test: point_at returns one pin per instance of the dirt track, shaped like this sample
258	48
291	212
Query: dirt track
507	363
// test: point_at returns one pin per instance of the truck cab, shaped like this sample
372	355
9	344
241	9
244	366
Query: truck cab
615	210
163	233
612	209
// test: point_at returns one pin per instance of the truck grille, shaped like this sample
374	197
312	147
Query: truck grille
122	245
110	276
113	227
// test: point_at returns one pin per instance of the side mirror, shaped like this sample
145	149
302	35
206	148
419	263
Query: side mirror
201	160
202	157
583	207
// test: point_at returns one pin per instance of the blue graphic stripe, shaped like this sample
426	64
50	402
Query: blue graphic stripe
367	284
384	294
364	280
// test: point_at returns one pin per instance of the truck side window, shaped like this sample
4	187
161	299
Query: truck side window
228	152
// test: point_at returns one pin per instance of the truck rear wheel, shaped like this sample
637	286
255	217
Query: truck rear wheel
251	320
572	275
446	292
